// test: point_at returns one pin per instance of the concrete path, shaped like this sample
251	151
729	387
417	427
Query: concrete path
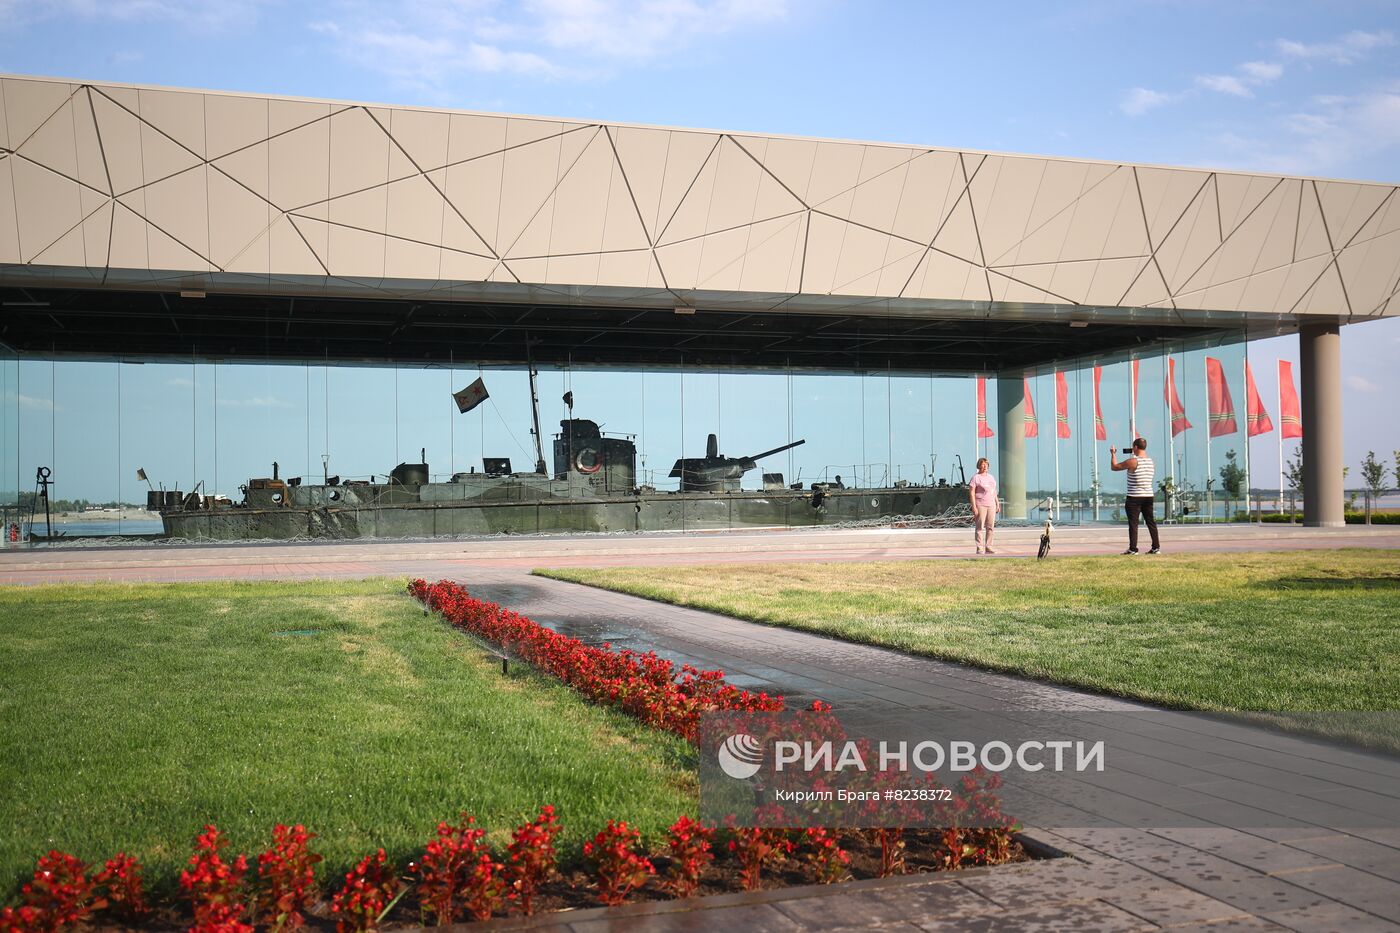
341	559
1326	863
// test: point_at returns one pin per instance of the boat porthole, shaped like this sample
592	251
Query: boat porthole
277	497
335	495
874	503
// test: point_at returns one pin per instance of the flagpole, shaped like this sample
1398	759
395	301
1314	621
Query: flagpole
1171	437
1132	395
1278	373
1057	446
1248	506
1094	446
1210	428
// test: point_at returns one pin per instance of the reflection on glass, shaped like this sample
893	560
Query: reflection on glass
215	427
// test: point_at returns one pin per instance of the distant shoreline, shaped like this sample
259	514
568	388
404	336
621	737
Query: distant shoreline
73	518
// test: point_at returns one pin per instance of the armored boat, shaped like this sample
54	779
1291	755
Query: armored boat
592	488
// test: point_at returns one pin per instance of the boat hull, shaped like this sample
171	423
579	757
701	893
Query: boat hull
645	512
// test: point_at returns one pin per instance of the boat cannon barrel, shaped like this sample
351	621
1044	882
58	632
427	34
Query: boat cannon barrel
775	450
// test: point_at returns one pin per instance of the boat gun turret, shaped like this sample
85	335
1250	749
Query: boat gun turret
716	473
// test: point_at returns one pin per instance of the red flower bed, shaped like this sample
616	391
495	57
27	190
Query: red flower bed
641	684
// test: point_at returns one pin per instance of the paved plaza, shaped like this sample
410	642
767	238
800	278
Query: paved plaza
1329	859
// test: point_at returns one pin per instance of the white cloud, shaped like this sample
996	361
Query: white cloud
640	29
1225	84
180	382
1336	131
1262	71
1247	76
1346	50
203	15
1362	384
428	42
30	402
260	401
1139	100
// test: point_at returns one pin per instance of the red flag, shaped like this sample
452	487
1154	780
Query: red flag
1222	407
1259	421
1133	414
983	428
1032	426
1061	406
1100	430
1289	412
1178	410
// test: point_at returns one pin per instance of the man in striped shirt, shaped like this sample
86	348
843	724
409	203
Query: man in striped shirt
1139	501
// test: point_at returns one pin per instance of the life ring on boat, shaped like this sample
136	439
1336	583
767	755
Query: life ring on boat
587	461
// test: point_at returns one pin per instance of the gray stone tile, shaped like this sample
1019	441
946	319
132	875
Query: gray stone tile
759	918
1046	882
1356	852
1355	888
1232	923
888	905
1332	918
1262	855
1077	916
1258	896
1168	904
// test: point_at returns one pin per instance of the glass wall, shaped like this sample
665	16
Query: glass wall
112	432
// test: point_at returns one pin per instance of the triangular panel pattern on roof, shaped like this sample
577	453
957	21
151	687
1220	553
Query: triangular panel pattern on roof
173	185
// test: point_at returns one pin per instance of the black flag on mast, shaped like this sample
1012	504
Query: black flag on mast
470	397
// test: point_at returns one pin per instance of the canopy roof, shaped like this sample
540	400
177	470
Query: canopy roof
375	232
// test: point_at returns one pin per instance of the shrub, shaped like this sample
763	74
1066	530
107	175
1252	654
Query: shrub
457	867
755	847
369	891
691	852
891	842
619	868
215	887
485	889
288	872
829	861
532	857
120	881
59	895
443	868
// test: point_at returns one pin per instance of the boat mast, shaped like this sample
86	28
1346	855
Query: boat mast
535	408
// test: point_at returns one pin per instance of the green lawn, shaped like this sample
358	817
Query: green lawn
135	714
1296	631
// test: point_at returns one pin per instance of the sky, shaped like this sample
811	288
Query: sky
1305	88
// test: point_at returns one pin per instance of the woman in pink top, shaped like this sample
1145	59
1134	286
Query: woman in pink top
983	494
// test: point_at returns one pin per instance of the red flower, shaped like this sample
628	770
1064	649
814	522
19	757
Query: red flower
288	871
691	853
619	867
639	683
59	895
369	890
215	887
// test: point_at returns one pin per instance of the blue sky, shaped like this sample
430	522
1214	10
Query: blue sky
1310	88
